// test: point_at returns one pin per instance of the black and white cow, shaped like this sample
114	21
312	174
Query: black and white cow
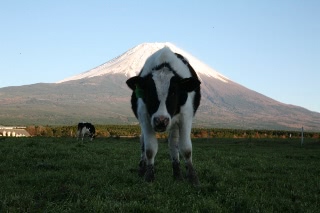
166	95
85	128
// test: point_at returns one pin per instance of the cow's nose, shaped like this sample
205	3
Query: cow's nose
160	123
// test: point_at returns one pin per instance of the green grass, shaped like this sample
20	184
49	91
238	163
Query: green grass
236	175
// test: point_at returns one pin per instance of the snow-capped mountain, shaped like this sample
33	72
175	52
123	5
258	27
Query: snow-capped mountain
101	96
131	62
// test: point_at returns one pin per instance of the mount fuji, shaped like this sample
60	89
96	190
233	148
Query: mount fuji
131	62
101	96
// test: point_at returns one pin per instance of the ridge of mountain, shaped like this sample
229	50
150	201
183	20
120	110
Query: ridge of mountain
131	62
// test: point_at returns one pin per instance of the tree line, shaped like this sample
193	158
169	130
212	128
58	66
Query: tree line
134	131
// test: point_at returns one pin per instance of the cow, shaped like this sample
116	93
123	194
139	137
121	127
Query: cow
85	128
165	97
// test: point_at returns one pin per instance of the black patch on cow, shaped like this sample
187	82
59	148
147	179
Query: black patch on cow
196	101
193	73
197	97
182	58
176	97
134	104
92	130
187	154
163	65
149	153
151	96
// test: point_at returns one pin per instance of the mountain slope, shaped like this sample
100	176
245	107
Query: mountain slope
101	96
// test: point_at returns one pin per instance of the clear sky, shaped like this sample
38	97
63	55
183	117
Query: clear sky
270	46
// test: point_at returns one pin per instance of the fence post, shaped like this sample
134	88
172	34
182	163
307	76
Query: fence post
301	136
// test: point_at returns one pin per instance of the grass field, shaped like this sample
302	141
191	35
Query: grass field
237	175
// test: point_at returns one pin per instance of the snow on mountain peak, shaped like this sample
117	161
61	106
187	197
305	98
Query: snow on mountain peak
131	62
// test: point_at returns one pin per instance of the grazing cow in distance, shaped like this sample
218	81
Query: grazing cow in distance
85	128
165	97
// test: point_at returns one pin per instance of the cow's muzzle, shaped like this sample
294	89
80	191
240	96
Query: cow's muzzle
92	136
160	123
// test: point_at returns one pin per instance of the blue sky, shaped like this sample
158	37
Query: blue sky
270	46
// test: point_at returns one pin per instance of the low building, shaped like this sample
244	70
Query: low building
13	131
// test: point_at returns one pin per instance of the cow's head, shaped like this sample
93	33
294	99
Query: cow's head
91	131
92	136
163	93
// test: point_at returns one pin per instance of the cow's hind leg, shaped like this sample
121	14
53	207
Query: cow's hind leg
174	152
185	146
191	172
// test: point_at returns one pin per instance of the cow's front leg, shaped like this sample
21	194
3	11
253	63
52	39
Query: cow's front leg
151	149
174	152
185	146
142	164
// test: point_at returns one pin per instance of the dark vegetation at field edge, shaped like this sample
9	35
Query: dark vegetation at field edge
134	131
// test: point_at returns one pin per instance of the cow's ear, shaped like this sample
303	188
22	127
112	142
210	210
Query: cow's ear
189	84
134	82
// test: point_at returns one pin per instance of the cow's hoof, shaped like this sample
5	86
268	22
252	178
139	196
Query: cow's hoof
142	168
192	176
176	171
149	176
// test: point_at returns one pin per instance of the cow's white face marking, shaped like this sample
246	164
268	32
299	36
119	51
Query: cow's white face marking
162	81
